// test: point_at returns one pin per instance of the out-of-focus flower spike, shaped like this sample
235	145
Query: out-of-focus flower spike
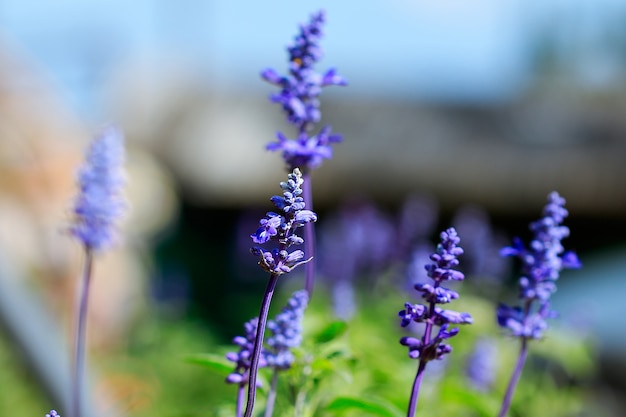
99	202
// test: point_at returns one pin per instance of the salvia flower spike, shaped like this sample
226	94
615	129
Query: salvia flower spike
299	98
541	264
301	87
242	360
286	329
286	334
278	228
98	205
299	95
432	346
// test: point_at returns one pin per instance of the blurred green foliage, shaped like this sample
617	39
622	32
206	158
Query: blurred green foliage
20	393
359	368
354	368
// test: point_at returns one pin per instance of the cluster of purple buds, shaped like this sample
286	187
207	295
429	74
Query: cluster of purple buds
280	228
242	358
298	96
542	262
286	329
99	202
442	269
53	413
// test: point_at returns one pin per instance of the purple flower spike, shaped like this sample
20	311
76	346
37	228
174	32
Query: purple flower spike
53	413
299	97
430	347
242	358
99	204
281	228
542	262
286	331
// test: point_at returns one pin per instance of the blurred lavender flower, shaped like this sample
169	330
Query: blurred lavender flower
243	361
479	243
481	365
96	208
99	203
428	348
343	299
355	241
242	358
542	262
416	223
286	331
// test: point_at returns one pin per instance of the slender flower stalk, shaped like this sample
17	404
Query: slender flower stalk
299	98
279	229
97	207
542	262
430	346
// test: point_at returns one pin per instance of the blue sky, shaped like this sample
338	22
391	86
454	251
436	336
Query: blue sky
445	50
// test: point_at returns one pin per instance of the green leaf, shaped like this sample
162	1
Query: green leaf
212	361
377	408
331	332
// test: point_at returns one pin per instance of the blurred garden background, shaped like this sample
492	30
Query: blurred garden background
462	114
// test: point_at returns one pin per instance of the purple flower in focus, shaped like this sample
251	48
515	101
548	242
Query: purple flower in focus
306	151
302	86
281	228
286	331
542	262
53	413
269	227
242	357
298	96
432	347
99	204
444	260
